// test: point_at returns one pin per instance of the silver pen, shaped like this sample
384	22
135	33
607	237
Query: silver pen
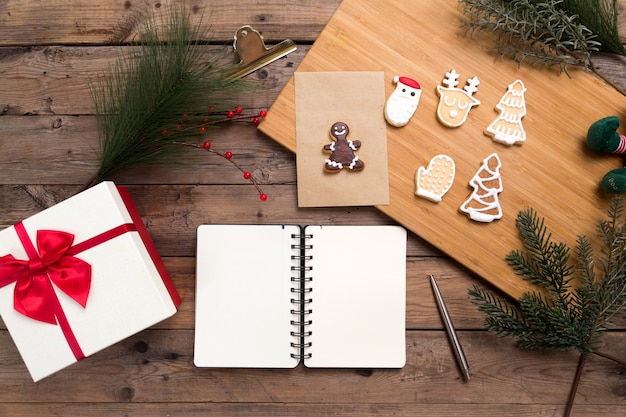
454	340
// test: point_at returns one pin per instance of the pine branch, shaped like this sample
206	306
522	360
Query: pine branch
541	32
559	33
163	78
502	317
600	16
567	317
575	303
542	262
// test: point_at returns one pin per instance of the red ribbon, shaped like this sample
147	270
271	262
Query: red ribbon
52	262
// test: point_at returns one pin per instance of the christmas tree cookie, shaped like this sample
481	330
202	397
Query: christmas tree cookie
507	127
433	183
483	204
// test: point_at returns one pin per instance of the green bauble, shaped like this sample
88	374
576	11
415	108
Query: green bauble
614	182
602	136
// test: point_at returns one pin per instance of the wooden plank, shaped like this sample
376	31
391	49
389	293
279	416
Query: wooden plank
538	173
31	22
62	149
421	311
195	409
54	80
156	365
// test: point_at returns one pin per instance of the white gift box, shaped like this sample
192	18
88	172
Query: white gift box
129	289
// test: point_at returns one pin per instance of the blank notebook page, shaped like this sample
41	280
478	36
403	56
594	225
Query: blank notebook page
244	309
359	297
243	293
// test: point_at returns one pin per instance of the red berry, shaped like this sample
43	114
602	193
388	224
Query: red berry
178	127
247	175
256	120
230	114
164	132
238	110
263	113
202	129
185	115
263	197
205	120
211	109
228	155
206	145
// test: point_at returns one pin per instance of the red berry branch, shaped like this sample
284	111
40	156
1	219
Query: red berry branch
236	115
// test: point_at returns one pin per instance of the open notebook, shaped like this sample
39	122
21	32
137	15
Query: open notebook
269	296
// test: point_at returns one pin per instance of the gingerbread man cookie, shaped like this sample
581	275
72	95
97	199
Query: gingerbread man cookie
342	150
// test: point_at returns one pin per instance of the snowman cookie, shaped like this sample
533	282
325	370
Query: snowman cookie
402	103
342	150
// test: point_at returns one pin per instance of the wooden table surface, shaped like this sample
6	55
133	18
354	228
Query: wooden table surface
48	52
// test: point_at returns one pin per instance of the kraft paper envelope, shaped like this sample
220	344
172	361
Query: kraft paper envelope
357	99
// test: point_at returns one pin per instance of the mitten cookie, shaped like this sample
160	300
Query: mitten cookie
433	183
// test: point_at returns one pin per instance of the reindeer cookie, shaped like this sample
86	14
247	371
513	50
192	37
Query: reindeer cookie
342	150
455	103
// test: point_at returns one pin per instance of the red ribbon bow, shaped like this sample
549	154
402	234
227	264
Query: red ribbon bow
51	262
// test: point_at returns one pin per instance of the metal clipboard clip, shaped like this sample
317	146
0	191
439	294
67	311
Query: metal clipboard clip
251	50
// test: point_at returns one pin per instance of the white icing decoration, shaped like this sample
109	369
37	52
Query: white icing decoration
334	164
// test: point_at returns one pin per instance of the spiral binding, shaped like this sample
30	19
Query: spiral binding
301	289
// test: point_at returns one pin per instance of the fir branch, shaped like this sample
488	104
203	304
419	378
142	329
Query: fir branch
572	313
600	16
576	302
543	262
559	33
541	32
502	318
163	77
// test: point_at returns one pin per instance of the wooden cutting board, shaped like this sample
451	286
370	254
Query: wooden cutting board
552	172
